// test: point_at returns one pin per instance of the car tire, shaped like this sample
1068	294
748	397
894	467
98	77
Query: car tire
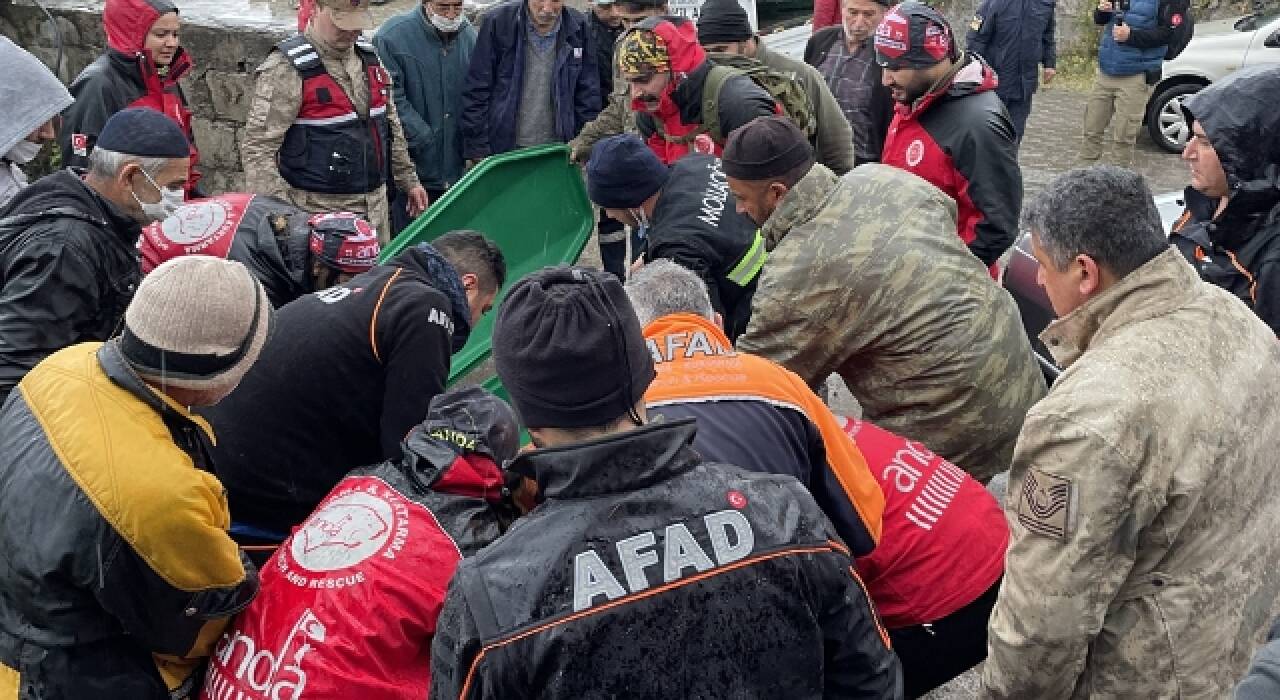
1165	123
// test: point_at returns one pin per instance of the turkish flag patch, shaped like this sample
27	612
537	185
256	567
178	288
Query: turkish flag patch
80	144
1176	20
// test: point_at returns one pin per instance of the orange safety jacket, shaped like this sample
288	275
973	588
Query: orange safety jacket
755	414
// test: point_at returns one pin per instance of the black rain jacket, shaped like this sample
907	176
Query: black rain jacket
696	224
649	573
1239	250
68	269
345	376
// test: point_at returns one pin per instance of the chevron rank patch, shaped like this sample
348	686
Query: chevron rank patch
1044	504
976	23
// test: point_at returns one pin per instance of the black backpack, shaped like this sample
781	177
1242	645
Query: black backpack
1182	34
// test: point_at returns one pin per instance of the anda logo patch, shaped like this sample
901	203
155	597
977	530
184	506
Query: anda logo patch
1044	505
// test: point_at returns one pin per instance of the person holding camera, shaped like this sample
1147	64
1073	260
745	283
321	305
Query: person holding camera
1135	39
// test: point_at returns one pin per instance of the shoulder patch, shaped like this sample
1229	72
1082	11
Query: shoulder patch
976	23
1044	504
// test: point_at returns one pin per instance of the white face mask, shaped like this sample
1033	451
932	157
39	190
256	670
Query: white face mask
446	24
170	200
23	151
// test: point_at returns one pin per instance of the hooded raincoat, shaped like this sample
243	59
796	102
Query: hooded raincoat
127	76
32	95
1239	249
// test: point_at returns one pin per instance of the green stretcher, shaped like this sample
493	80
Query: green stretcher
532	203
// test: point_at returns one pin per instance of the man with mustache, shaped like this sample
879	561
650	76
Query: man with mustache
669	72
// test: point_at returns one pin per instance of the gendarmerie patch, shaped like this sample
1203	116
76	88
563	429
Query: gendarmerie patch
1044	504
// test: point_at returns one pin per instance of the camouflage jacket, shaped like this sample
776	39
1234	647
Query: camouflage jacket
277	97
615	118
863	280
1142	500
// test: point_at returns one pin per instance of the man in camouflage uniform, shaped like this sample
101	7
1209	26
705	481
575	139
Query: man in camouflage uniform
1142	503
867	279
279	106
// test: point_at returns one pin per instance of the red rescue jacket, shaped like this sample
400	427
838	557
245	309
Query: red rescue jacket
960	139
126	76
348	604
944	534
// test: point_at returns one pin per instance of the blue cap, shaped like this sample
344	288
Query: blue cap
143	132
623	172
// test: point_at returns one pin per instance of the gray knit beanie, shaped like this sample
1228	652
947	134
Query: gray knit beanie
197	322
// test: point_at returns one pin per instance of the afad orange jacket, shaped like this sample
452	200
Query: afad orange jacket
757	415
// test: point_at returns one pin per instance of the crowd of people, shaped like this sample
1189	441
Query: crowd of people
232	466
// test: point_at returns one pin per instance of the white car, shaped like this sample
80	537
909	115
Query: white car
1216	49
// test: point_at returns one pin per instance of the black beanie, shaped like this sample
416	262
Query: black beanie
145	133
722	21
569	349
623	172
765	148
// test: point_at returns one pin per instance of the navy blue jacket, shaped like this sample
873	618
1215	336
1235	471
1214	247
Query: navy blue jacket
1016	37
1151	24
427	72
491	97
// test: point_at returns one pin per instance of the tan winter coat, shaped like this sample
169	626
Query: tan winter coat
277	98
867	278
1144	500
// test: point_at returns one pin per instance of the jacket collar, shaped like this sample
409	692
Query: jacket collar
66	190
427	262
685	324
801	204
616	463
1163	284
121	374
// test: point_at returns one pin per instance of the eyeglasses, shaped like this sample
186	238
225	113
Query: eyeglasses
447	6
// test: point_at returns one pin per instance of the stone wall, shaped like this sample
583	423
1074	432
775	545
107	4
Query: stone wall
218	89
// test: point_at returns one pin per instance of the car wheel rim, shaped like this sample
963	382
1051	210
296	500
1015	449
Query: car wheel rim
1172	124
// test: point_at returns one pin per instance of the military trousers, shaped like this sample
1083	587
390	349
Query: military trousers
1118	100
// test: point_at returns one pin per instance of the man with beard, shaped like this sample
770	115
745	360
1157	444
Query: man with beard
950	128
323	132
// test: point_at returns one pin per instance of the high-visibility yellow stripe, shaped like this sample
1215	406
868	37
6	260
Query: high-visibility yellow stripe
750	264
